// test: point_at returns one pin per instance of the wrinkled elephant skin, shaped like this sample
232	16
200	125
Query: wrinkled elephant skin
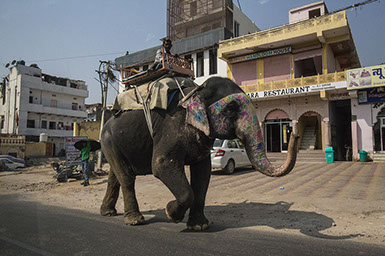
183	135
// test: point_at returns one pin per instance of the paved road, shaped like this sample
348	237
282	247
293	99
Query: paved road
32	229
337	180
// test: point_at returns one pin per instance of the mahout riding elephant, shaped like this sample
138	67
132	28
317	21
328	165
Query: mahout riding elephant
182	135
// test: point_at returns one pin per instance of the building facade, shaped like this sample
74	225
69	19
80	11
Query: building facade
34	103
295	75
196	27
367	87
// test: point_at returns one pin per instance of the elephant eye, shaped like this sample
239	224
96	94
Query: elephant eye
231	110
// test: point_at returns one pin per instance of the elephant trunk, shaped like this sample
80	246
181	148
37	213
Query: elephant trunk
249	132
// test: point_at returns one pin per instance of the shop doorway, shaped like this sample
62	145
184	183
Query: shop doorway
278	128
309	130
341	128
382	133
379	132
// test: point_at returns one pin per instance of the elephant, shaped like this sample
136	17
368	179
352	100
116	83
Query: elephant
182	135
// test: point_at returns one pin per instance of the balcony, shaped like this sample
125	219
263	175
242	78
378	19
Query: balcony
39	84
332	29
297	82
49	132
38	108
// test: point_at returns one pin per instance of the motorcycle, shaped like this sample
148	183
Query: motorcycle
63	172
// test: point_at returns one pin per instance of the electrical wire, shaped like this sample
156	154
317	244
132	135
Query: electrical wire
76	57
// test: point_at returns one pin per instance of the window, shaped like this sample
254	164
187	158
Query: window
2	122
236	29
30	99
200	67
60	126
314	13
52	125
232	144
30	123
53	103
44	124
213	61
74	106
308	67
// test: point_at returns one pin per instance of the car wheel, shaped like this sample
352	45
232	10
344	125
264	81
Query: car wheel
230	167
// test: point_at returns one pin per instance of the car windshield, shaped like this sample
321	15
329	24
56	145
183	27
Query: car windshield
218	143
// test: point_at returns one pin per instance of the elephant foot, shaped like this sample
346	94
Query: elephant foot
175	212
108	212
134	219
197	223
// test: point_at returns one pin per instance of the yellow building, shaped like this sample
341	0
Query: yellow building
296	76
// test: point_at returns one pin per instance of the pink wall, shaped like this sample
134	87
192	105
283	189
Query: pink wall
363	137
277	68
245	73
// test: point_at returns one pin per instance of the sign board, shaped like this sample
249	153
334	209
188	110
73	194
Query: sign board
368	77
297	90
71	152
371	95
259	55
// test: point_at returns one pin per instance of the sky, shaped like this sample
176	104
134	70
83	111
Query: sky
68	38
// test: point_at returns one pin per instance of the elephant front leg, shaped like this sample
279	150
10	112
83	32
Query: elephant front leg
111	196
200	179
171	172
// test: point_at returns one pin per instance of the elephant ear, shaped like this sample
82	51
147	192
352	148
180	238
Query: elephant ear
196	114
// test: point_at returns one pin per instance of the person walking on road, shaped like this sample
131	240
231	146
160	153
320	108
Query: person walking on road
85	155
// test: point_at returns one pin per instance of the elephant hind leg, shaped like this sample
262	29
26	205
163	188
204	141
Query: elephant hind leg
123	175
111	197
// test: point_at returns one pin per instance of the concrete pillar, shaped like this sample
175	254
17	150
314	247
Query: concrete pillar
355	154
295	126
325	133
76	129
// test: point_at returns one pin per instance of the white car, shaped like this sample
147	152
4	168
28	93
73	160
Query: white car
12	162
228	155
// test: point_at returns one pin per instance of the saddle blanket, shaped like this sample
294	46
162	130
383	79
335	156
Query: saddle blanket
157	92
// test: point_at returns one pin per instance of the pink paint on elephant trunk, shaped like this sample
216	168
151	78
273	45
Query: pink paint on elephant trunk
249	131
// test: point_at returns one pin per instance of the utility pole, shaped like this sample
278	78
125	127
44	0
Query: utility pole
104	74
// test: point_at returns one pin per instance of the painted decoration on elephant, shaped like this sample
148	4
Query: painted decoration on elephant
247	122
196	114
245	104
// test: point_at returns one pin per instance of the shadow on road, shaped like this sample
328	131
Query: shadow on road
238	171
277	216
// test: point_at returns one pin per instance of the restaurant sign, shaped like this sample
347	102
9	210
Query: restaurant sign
368	77
259	55
297	90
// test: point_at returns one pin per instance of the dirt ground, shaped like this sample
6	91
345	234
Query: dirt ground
359	221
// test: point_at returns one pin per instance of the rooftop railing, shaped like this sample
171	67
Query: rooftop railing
285	29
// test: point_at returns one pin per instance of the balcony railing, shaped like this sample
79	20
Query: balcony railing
297	82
